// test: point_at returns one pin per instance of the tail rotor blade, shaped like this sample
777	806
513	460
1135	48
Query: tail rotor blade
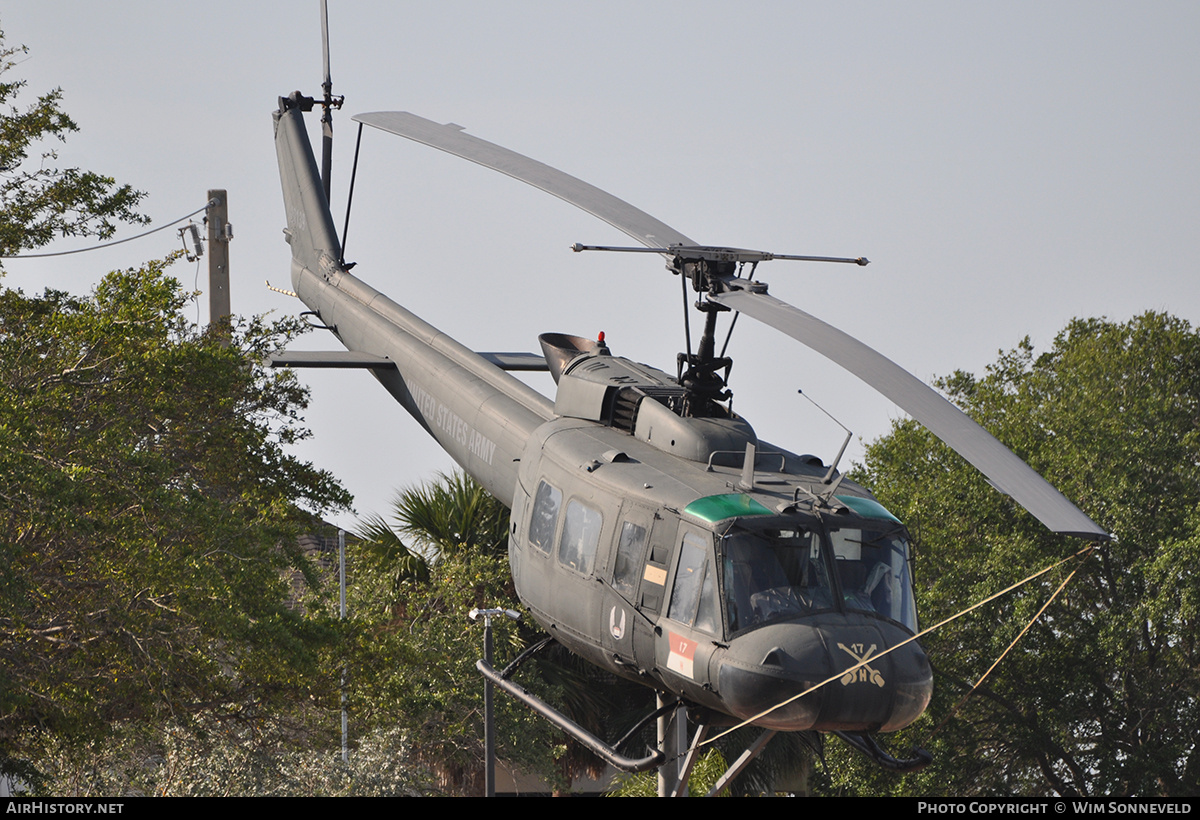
327	116
327	83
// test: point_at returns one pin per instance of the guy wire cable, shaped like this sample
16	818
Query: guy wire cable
1081	553
996	663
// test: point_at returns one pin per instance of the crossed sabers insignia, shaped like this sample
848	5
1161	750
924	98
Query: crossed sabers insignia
863	673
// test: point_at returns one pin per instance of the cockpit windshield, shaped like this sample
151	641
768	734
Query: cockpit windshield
776	573
872	571
772	573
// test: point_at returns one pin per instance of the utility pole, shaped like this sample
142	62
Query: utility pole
219	233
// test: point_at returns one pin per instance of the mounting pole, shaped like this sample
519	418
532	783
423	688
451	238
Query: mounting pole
489	721
672	740
342	617
216	217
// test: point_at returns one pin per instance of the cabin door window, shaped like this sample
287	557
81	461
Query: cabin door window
693	597
631	550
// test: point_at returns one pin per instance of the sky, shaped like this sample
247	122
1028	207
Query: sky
1006	167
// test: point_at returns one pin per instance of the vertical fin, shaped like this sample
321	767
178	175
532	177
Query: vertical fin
310	229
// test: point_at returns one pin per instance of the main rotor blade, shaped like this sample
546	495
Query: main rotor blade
451	139
1008	473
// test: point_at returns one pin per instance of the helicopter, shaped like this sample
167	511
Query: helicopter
652	532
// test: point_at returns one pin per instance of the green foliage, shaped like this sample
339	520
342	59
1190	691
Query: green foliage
149	518
413	665
452	514
784	766
705	773
384	558
213	761
1102	696
39	204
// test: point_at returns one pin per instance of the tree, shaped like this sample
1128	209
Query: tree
448	515
38	205
416	668
1102	696
149	518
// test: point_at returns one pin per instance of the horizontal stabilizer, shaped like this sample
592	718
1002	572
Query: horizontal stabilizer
329	358
517	361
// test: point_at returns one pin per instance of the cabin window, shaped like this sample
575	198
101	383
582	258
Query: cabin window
544	519
630	551
693	601
773	574
580	537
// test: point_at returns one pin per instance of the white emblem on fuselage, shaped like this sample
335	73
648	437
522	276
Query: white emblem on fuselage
616	628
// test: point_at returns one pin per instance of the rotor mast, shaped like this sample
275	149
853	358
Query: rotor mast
697	372
710	268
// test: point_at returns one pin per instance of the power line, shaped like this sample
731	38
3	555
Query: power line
206	205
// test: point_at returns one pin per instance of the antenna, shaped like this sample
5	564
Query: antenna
841	452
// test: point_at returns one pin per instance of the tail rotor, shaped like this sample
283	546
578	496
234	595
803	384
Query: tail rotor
328	103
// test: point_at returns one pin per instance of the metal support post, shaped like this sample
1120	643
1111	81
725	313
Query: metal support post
489	719
342	616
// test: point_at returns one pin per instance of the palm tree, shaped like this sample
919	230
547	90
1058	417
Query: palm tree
386	547
452	513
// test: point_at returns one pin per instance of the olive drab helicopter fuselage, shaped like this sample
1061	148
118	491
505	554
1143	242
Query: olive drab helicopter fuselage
652	532
641	543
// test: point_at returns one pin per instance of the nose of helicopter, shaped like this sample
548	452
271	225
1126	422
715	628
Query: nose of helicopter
768	666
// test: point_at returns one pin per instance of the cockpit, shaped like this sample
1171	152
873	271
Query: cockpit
791	599
771	568
774	572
